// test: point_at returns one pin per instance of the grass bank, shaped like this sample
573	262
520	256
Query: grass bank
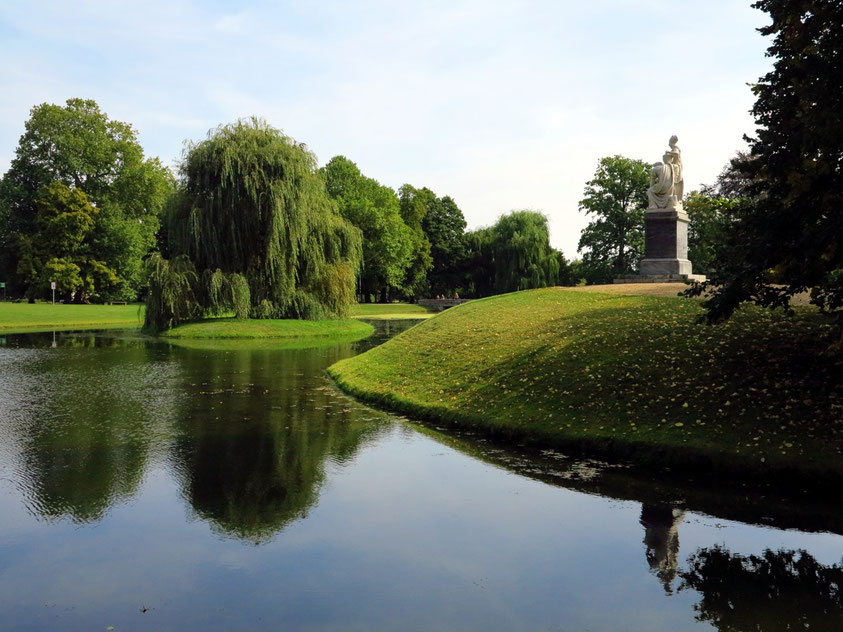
625	376
25	317
230	328
389	311
40	316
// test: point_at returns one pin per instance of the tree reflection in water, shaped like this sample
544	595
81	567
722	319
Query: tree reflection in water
88	424
251	458
777	591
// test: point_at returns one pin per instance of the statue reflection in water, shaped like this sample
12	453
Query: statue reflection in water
776	591
661	537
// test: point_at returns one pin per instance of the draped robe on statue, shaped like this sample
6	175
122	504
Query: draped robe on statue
662	179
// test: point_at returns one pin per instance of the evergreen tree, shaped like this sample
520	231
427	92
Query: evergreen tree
787	239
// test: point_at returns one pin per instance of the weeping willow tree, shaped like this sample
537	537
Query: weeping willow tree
514	254
252	230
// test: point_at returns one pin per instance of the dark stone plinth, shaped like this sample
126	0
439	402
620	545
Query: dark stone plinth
666	235
666	246
665	249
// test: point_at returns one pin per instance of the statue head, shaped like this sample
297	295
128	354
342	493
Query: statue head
672	142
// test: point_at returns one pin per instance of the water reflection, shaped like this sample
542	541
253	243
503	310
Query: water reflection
661	537
254	435
251	441
83	424
772	592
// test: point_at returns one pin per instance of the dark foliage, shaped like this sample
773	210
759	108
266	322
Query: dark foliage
777	591
786	240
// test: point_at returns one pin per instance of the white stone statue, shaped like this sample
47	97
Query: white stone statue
667	185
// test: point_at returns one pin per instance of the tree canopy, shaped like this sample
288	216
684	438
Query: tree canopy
414	204
444	226
375	210
613	242
513	254
59	247
253	229
710	218
786	239
78	146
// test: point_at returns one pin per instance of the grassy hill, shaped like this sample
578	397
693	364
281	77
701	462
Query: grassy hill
628	376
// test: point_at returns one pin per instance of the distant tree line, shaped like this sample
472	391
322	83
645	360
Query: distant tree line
249	224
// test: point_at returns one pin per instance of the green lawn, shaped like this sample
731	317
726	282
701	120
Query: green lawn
389	311
630	375
227	328
26	317
46	316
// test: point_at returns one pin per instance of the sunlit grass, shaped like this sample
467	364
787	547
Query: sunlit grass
389	311
29	317
633	372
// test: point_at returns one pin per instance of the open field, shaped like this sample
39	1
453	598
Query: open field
623	375
32	317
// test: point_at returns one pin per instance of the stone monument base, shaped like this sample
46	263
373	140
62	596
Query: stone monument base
658	266
661	278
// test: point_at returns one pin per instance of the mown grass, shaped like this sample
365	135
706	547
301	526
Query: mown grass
227	328
31	317
25	317
630	376
389	311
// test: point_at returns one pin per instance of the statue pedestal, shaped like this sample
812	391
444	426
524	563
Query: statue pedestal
665	248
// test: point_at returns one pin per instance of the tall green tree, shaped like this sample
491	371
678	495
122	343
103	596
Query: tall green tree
254	230
375	210
59	248
788	239
414	204
613	242
514	254
444	226
79	146
710	219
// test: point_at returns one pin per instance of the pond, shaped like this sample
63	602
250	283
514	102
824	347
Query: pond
150	486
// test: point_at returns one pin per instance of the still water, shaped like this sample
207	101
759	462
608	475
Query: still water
149	486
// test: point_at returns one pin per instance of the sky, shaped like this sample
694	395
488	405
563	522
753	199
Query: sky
501	104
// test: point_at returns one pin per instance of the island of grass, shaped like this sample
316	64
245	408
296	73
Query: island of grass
632	377
25	317
340	330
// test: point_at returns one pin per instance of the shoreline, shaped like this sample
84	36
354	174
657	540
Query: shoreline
626	378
